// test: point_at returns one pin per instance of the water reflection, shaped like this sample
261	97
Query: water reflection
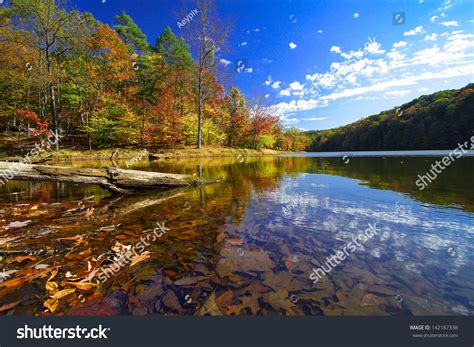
247	244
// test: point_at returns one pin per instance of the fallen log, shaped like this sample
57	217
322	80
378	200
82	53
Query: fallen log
113	179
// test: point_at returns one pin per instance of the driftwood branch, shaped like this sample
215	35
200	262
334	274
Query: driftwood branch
113	179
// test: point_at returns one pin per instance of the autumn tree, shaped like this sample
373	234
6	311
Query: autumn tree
45	26
237	124
206	36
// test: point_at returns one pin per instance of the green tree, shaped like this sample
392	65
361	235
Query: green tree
131	34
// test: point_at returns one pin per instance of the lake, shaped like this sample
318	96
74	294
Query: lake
247	244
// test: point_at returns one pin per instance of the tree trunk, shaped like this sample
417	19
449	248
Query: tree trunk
199	142
113	179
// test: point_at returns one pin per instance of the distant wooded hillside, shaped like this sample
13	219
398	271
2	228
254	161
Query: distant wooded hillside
436	121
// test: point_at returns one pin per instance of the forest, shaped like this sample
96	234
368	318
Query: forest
104	86
431	122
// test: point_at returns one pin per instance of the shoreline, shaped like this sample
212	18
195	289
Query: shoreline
130	154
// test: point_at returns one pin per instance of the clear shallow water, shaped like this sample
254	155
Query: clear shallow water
231	248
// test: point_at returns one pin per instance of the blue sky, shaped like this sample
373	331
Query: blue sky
322	64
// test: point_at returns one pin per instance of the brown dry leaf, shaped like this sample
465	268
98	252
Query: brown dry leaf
284	281
371	300
210	307
140	257
247	302
224	300
21	259
78	238
247	261
51	287
80	285
235	242
191	233
65	292
186	281
37	213
9	306
54	272
257	287
279	300
171	300
234	310
183	237
78	256
220	237
130	233
52	303
289	262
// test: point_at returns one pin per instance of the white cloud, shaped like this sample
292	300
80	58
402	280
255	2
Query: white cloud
267	60
244	43
399	44
398	93
355	15
285	92
432	37
296	86
373	47
433	18
357	54
412	80
267	96
320	31
292	45
257	30
335	49
269	80
276	85
447	4
395	55
417	30
422	90
295	106
458	42
451	23
249	70
314	118
225	62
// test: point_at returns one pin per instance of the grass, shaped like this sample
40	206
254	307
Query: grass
68	154
126	154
